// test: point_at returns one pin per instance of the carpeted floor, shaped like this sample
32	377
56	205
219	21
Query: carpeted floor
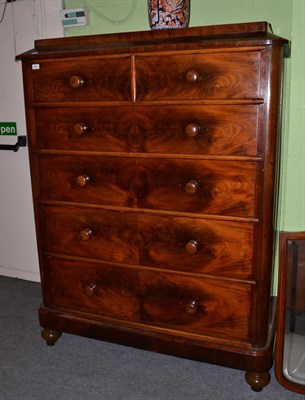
84	369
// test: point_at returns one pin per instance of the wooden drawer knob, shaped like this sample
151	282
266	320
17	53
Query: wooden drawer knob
192	307
80	128
192	130
193	76
91	290
192	186
82	180
86	234
192	246
77	81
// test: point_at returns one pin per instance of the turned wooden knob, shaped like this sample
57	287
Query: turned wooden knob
91	290
192	246
82	180
192	130
86	234
80	128
192	307
192	186
193	76
77	81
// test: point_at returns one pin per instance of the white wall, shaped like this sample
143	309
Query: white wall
24	21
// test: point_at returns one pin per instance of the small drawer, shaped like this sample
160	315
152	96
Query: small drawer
211	130
198	76
209	307
191	245
74	81
209	187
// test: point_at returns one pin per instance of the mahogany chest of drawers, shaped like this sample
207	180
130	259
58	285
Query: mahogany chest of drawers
153	161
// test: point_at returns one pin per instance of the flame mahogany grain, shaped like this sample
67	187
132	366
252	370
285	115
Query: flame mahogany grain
153	162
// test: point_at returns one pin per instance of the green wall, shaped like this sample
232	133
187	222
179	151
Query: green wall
288	20
292	216
203	12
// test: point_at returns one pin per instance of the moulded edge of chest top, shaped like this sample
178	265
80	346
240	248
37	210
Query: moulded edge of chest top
33	55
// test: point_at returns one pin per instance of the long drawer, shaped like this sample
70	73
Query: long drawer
191	245
210	186
213	130
107	79
198	76
212	307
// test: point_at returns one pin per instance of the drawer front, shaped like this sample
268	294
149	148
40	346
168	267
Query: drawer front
183	244
198	76
209	307
94	288
74	81
214	130
212	187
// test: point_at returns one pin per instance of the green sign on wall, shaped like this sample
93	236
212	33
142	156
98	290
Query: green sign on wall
8	129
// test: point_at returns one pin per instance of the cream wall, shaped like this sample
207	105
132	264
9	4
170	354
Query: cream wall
23	22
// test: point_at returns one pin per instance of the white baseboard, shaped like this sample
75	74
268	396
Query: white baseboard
15	273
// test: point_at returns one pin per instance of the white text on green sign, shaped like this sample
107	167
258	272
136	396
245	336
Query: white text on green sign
8	129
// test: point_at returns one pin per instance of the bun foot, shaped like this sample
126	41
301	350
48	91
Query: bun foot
257	380
50	336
